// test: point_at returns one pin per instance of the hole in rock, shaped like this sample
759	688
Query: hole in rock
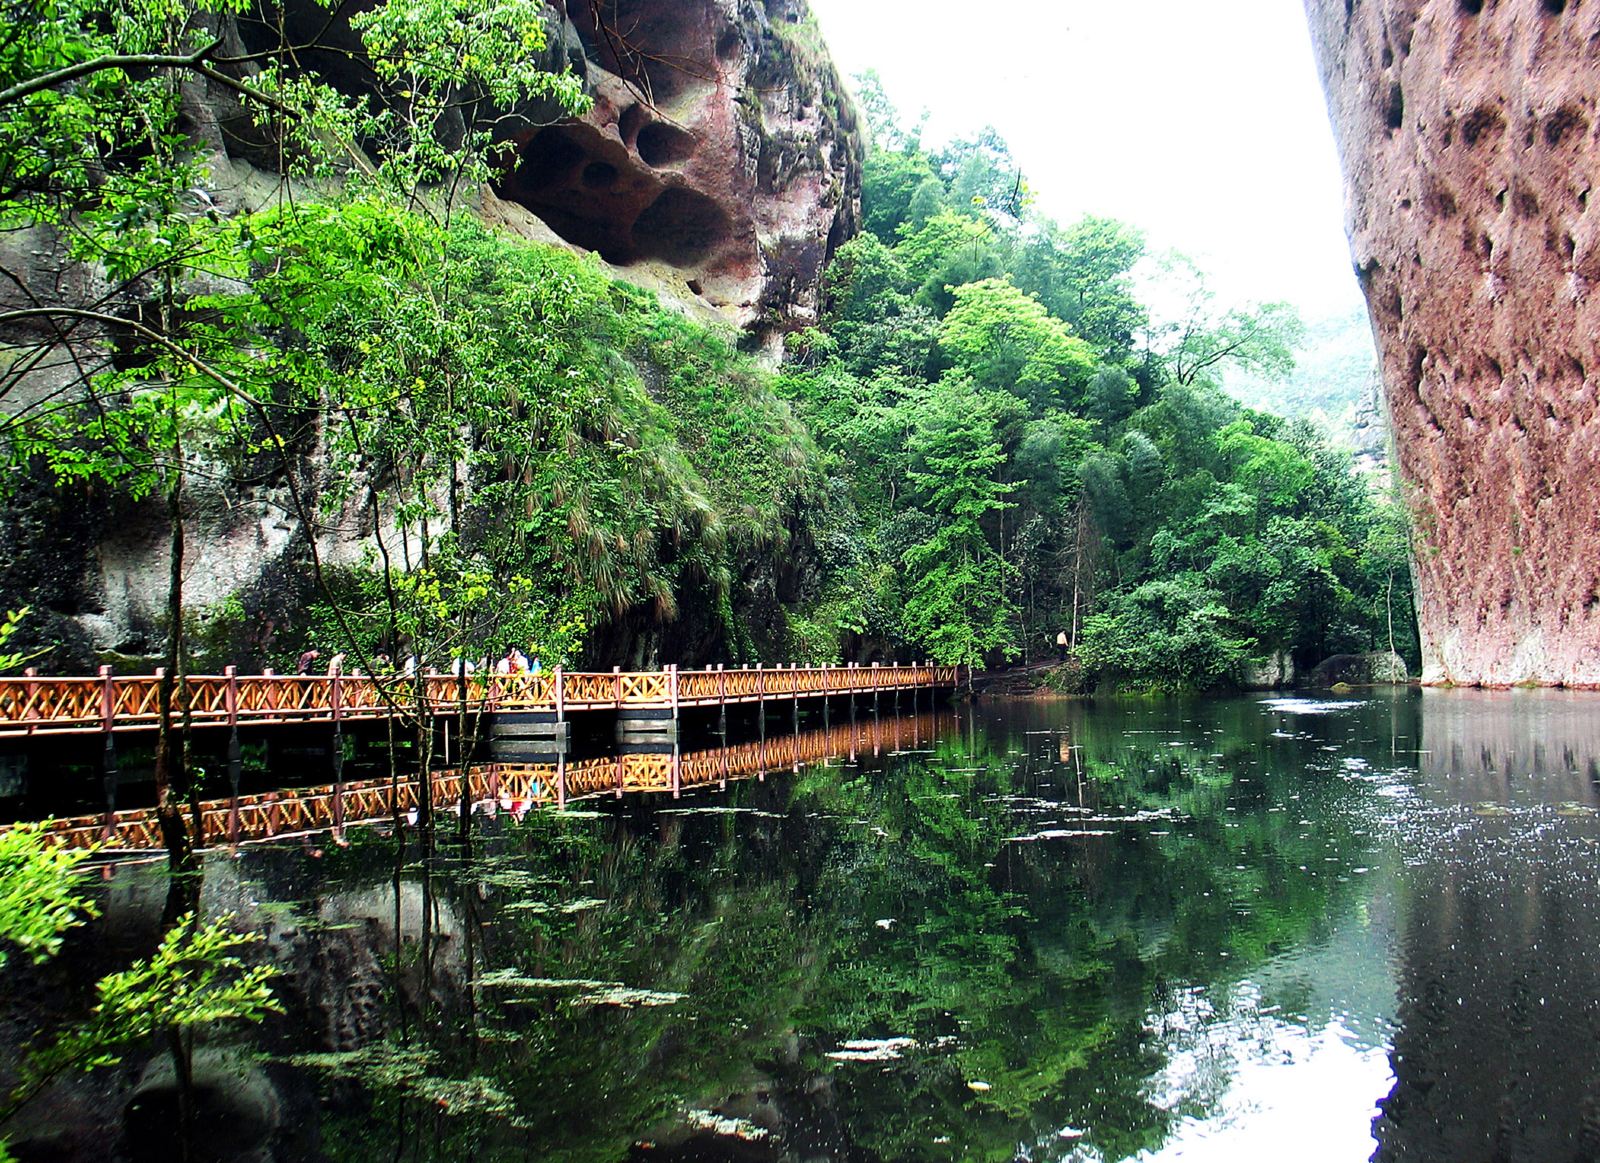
599	175
645	42
1483	126
1388	56
560	179
1394	110
1555	7
695	288
682	227
548	161
729	45
1472	7
660	144
1563	125
628	125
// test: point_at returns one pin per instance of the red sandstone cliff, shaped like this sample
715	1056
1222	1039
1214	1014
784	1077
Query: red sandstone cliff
1469	139
721	157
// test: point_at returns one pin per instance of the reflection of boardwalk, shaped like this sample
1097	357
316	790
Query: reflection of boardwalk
514	787
35	705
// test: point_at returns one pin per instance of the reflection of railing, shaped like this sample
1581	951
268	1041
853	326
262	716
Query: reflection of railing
495	787
40	705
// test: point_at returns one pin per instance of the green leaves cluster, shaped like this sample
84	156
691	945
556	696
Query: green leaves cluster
39	901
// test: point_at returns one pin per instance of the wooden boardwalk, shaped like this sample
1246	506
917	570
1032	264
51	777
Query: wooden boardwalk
515	788
108	703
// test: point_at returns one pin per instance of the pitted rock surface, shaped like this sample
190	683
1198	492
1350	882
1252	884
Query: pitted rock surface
721	152
1469	139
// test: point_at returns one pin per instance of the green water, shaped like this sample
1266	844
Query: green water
1239	929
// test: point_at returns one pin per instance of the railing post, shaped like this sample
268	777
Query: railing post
761	700
108	768
616	682
672	684
32	698
561	695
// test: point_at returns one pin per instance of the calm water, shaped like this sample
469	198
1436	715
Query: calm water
1233	930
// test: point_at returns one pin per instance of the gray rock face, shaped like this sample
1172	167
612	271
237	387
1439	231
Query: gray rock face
1381	668
1467	129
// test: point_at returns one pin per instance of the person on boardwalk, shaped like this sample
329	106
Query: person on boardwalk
336	665
306	659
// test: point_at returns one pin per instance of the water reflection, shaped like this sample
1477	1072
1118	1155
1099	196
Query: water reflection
1497	1054
1047	931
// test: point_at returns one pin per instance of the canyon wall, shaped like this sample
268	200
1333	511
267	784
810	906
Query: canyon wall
1468	135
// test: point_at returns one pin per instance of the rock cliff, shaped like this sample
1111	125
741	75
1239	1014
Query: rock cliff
1468	135
721	159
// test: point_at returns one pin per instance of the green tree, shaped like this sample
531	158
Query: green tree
959	603
1006	340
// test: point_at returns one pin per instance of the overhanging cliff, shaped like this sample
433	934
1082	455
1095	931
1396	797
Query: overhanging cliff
1467	132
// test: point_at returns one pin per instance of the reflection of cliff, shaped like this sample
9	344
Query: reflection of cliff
1498	1052
1523	746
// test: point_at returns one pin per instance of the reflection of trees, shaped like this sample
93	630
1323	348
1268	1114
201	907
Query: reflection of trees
848	902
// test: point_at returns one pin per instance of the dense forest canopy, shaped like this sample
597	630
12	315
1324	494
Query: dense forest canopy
989	440
1029	452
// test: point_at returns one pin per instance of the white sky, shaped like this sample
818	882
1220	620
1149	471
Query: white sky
1203	124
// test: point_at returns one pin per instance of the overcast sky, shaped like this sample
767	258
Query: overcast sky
1204	124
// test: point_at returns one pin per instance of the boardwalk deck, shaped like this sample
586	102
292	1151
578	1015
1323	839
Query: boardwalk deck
499	787
107	703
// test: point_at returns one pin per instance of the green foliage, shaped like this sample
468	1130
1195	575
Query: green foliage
39	897
10	624
1172	634
1006	340
959	603
1094	480
194	978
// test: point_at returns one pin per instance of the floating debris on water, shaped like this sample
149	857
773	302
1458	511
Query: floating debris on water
872	1049
1060	834
611	993
723	1125
1311	706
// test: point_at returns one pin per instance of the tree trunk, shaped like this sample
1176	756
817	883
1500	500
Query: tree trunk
1388	601
170	759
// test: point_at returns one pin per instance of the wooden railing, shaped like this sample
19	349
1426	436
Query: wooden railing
37	704
515	788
